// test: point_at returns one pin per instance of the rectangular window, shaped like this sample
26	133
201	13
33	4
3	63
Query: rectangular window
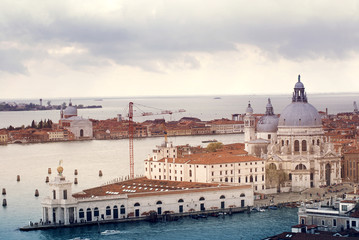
65	194
220	172
344	208
354	223
334	222
212	173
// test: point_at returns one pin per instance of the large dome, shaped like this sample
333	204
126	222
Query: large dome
300	114
268	123
70	111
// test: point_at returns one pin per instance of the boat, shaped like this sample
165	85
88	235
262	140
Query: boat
273	207
110	232
261	210
209	141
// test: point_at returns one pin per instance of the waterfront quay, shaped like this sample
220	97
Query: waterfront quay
311	194
152	218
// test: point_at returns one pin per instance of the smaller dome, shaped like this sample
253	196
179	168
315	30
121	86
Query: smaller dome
268	123
249	109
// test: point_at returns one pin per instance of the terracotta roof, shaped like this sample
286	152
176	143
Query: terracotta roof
212	158
139	187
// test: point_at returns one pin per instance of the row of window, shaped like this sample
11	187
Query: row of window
297	144
96	212
221	165
246	179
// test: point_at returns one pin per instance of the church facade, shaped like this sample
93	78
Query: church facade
79	126
296	151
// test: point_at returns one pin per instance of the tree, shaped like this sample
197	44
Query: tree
276	177
41	125
10	128
33	124
213	147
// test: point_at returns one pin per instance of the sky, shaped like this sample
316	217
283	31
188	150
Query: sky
107	48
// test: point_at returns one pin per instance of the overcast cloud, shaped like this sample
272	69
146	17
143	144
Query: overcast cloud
126	48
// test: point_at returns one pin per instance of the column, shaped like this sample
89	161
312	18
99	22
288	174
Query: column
66	216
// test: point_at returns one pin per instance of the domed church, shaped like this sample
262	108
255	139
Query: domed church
79	126
297	153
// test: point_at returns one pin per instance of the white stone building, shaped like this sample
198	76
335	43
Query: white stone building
227	166
137	198
295	144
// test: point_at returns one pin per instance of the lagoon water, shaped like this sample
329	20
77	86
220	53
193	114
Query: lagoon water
31	162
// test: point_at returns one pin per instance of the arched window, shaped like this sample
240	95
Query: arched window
136	204
190	173
122	209
290	176
201	198
282	143
81	213
287	142
108	210
158	202
181	200
296	146
304	145
318	142
222	197
81	133
96	212
226	179
251	178
242	195
54	194
300	167
239	179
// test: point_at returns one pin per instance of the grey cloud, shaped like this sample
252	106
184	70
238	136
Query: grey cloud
12	61
169	39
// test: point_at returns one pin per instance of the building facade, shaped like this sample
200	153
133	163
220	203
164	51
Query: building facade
226	166
80	127
298	150
137	198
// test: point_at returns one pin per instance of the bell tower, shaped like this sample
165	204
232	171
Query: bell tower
249	126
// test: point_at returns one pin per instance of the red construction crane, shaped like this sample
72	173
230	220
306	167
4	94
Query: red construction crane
131	130
130	136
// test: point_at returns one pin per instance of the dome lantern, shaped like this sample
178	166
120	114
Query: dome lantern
299	94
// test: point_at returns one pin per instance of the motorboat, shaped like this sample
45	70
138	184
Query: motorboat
110	232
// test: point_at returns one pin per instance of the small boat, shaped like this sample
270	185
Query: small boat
261	210
209	141
273	207
110	232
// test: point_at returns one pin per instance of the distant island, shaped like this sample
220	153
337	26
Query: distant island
13	106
